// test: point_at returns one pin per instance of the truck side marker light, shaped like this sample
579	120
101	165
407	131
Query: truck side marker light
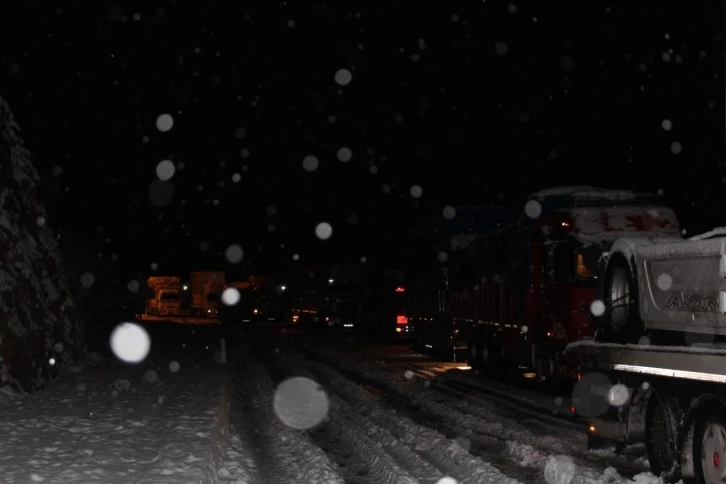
592	429
686	375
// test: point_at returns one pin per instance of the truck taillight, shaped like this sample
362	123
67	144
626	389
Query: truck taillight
401	319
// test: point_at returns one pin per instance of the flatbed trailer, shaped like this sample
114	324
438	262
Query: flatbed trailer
672	399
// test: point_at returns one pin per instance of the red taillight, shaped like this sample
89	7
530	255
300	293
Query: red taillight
401	319
572	410
400	289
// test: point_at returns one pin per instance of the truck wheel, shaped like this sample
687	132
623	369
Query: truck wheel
474	353
709	447
478	352
622	323
542	362
663	437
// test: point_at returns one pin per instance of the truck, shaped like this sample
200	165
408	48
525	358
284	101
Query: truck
247	309
384	316
327	297
428	271
273	296
206	290
518	295
167	296
654	373
670	398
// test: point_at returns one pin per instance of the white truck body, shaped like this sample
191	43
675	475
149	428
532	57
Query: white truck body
681	283
670	396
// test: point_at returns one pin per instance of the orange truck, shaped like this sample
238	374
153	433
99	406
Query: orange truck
206	290
167	296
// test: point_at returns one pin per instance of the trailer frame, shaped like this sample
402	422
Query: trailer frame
672	399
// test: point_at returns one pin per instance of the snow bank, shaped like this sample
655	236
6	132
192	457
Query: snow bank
37	315
121	425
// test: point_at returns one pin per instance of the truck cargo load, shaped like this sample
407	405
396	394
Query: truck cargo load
206	290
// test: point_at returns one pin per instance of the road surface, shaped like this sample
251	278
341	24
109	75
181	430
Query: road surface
284	406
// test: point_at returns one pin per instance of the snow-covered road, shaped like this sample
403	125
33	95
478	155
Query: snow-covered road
286	408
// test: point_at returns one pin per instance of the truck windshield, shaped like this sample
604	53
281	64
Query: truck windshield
214	297
169	296
585	263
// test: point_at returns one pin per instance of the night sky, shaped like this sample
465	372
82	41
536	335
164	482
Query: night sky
476	102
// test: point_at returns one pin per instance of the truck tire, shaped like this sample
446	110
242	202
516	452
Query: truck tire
478	352
542	362
708	455
621	323
663	436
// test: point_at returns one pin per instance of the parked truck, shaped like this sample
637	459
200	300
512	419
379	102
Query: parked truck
428	271
514	297
384	316
327	297
167	296
247	309
273	296
655	373
206	290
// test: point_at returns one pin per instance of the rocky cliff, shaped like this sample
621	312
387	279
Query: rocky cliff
38	319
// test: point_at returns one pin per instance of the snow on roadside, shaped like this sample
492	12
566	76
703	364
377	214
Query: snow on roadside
122	425
292	456
398	433
528	449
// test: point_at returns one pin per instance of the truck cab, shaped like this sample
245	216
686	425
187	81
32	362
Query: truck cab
169	302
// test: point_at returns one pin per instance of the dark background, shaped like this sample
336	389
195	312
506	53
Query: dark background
477	102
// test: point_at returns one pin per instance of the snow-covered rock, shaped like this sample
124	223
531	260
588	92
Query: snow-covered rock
36	308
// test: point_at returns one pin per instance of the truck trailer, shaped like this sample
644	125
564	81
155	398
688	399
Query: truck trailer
531	285
670	398
433	326
514	293
655	372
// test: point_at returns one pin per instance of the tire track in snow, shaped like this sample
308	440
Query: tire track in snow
522	418
281	454
424	452
538	419
359	456
535	451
